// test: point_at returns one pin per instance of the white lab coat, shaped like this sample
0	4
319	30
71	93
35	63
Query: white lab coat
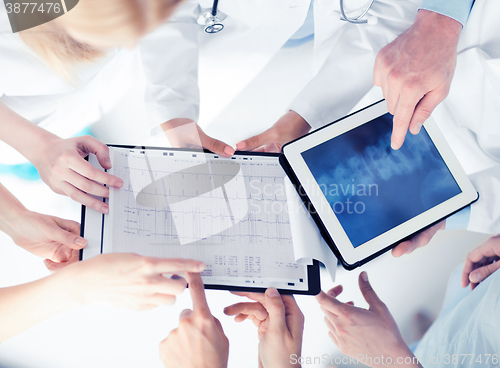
467	331
470	115
254	32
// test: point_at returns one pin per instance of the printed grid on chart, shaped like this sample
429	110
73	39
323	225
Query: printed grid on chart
259	244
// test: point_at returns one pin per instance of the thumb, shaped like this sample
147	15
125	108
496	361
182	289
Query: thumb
92	145
482	273
256	141
52	266
69	238
424	109
276	309
368	293
216	146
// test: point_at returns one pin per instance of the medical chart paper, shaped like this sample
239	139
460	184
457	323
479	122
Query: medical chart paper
231	214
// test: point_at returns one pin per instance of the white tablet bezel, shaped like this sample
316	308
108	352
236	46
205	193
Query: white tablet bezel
351	255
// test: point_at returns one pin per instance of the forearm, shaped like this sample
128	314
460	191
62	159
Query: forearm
10	209
23	306
21	134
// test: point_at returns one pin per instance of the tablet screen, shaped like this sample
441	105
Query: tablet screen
372	188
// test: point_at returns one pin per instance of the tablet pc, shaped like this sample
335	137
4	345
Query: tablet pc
366	197
183	203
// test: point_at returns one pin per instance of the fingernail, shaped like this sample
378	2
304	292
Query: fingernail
272	292
118	184
107	162
201	267
175	277
364	276
80	241
229	150
105	209
393	145
474	277
241	146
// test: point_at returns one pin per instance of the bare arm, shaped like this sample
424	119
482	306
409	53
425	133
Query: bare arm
26	305
119	280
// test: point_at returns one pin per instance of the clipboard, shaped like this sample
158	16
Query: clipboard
255	273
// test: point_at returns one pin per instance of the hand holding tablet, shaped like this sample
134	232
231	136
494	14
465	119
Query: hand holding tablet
366	197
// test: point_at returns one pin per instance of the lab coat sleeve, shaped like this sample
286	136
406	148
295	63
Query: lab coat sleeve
169	57
456	9
485	213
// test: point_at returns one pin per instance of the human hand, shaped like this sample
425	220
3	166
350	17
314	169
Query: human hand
55	239
127	280
199	341
481	262
415	71
362	332
418	240
289	127
186	133
280	326
62	167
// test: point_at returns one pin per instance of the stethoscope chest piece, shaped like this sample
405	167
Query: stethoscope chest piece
211	22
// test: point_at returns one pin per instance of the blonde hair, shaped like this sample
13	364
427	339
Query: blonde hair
117	21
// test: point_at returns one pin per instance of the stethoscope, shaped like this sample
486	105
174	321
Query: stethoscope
212	19
358	19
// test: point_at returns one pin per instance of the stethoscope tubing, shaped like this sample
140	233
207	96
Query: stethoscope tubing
357	20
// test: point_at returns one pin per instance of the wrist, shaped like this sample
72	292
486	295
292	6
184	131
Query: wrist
400	357
45	141
69	282
11	212
431	22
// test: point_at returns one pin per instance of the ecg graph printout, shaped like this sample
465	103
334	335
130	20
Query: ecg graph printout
230	214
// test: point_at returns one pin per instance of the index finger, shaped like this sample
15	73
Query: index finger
402	117
197	290
171	265
332	304
86	169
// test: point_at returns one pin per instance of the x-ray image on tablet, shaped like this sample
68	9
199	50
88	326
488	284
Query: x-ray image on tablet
366	197
373	188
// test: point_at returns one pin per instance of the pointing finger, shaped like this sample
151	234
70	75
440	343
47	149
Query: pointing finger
197	290
171	265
